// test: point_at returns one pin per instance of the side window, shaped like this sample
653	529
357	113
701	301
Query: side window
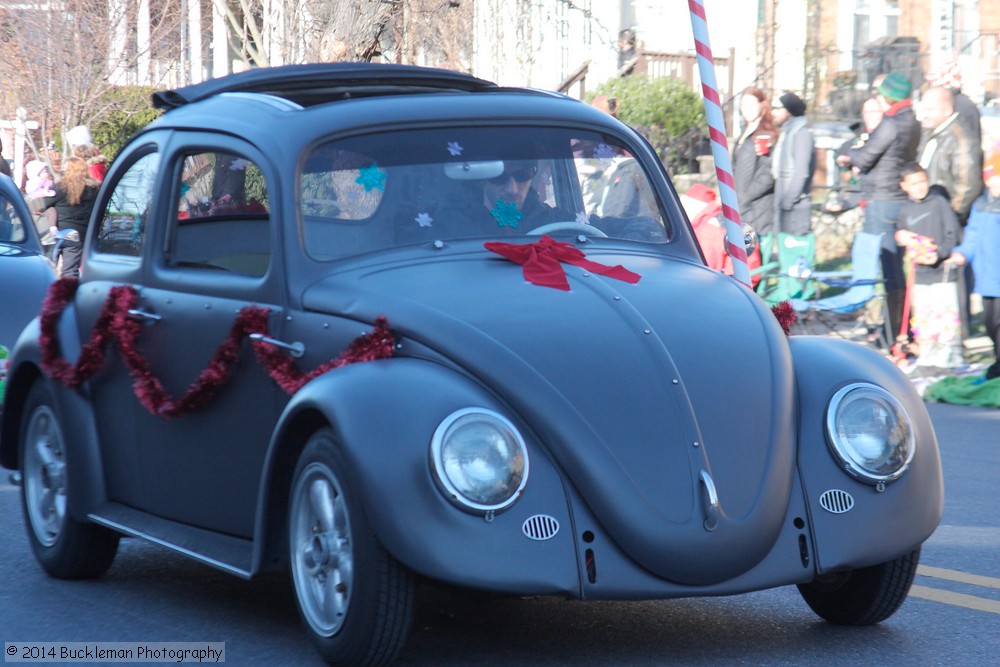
222	215
123	225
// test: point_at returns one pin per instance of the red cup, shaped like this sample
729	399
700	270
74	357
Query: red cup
762	144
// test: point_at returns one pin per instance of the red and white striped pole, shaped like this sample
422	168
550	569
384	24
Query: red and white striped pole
720	146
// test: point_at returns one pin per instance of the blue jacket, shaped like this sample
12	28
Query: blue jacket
981	244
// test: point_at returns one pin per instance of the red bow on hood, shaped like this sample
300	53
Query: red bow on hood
543	260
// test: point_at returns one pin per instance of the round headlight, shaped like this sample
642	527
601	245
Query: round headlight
479	459
870	433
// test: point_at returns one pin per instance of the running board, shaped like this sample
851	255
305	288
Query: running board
233	555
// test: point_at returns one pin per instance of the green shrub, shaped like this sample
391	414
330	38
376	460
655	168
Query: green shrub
666	110
129	109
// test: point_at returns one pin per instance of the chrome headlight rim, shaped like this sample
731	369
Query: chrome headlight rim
444	482
840	450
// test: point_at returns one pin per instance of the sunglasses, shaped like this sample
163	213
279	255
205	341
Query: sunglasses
519	175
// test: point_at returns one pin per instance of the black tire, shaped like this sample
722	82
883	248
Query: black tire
865	596
65	548
354	598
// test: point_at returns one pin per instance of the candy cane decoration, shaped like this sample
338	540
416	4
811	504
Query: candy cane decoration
720	147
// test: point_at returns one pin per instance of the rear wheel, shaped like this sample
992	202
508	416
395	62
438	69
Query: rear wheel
65	548
356	599
864	596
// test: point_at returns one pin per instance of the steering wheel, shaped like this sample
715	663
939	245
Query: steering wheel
569	226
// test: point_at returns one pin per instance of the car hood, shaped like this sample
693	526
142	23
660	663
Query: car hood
654	397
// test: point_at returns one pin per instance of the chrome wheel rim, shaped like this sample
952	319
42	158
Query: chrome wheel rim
321	549
44	476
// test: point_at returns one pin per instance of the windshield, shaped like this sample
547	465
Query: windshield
377	191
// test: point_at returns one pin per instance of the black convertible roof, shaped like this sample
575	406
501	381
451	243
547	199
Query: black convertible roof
325	82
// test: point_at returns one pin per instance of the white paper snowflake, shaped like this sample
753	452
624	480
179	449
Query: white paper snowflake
455	148
424	219
583	218
604	154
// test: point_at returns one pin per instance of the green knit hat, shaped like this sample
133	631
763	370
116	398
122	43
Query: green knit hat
895	87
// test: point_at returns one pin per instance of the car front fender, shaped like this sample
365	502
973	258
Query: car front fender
883	523
384	414
83	458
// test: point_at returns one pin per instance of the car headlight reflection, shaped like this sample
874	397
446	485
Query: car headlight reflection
869	432
479	460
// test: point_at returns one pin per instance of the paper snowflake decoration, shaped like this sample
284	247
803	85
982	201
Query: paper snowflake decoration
239	164
424	220
604	153
371	177
506	214
583	218
454	148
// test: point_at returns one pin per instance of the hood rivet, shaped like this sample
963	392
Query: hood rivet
326	325
438	245
646	331
586	275
675	381
618	297
695	443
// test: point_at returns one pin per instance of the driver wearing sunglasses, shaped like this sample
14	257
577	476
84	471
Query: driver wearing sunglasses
512	202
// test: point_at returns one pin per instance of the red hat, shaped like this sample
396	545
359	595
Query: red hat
701	193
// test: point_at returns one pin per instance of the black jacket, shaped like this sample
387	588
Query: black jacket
69	216
952	161
892	144
932	217
754	186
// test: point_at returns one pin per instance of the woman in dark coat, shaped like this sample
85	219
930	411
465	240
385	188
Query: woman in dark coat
752	162
73	202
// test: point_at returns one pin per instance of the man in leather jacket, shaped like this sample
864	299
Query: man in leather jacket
948	153
892	144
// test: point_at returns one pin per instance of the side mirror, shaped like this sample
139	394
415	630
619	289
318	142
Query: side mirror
750	239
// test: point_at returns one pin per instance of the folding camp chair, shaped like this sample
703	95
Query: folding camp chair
786	260
846	314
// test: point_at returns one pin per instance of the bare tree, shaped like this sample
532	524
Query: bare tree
70	53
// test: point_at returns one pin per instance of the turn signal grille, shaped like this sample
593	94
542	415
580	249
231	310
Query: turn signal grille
540	527
836	501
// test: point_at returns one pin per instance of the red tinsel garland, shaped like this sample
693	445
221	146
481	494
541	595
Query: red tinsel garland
114	322
785	315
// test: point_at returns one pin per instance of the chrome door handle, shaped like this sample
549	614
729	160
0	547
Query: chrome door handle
295	349
711	501
137	314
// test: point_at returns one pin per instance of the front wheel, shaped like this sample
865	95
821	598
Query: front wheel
865	596
356	599
65	548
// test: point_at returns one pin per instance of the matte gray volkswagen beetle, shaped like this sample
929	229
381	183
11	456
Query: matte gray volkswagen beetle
374	323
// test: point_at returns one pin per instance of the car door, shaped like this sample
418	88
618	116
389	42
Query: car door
201	461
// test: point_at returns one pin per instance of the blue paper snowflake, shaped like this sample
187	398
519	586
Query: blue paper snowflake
506	214
371	177
455	148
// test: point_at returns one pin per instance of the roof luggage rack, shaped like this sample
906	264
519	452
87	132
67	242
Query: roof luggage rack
325	82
